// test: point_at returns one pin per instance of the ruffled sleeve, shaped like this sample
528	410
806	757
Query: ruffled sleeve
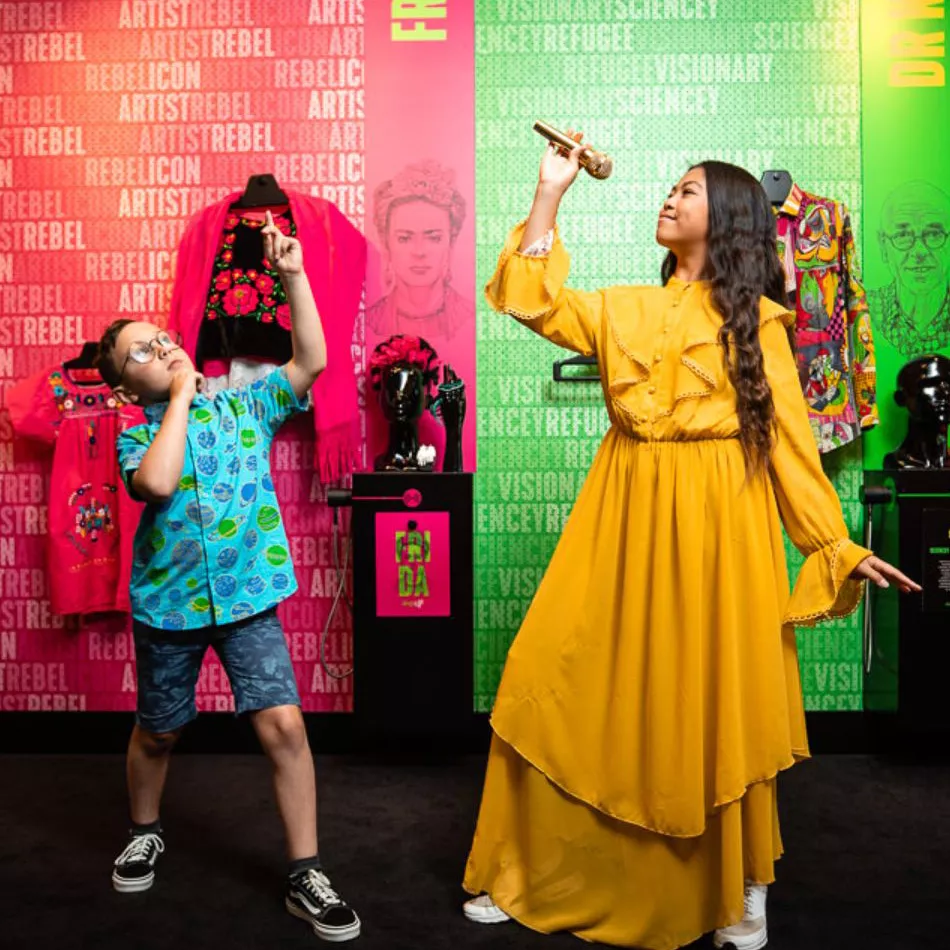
810	509
531	288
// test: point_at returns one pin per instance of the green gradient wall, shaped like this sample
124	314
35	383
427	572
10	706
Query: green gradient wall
906	141
658	84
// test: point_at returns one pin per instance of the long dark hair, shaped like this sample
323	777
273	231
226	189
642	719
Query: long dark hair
742	265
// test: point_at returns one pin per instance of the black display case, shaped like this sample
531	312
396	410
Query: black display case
910	651
413	609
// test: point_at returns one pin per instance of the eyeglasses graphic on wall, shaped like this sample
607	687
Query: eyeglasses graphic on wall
931	237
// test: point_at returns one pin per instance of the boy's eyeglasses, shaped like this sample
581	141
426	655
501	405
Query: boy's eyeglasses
142	351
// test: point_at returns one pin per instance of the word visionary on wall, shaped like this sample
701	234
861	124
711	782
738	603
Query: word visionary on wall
120	120
658	86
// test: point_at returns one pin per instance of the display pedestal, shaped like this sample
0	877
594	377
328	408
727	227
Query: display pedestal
912	631
413	609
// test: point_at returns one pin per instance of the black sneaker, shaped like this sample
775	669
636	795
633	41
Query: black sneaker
134	867
310	896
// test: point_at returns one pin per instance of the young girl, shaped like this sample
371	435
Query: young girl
652	694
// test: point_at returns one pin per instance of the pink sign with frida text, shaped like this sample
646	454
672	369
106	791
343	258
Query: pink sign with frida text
413	573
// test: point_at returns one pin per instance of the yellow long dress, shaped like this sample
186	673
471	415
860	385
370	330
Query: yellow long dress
652	694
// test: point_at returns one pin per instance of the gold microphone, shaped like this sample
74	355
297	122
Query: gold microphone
596	164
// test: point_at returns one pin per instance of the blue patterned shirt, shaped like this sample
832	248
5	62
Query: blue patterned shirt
216	551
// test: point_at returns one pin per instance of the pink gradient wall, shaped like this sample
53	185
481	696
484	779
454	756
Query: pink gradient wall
120	120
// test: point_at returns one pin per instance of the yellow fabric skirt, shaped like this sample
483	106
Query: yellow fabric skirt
649	701
553	863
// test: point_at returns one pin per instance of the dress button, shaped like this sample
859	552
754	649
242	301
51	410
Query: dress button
658	358
651	390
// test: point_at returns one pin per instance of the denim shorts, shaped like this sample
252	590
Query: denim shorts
254	655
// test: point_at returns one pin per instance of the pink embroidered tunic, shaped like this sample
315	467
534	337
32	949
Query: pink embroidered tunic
91	518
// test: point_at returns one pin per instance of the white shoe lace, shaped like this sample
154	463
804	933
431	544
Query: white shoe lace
748	903
140	848
318	884
752	903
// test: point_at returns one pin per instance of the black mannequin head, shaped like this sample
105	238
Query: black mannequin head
404	371
402	392
923	388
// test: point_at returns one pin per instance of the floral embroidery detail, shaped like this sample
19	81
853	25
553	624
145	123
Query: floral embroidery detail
240	300
254	293
67	395
92	516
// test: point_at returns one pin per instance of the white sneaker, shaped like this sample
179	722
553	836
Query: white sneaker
751	932
482	910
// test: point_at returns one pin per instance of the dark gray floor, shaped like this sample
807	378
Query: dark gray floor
867	864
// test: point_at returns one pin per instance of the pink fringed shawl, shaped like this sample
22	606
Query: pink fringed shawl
335	262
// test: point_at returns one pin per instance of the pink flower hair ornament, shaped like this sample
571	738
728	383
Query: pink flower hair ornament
400	348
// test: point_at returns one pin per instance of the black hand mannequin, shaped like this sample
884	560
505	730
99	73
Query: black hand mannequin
450	409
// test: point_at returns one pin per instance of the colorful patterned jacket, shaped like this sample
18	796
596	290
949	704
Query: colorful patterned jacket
834	344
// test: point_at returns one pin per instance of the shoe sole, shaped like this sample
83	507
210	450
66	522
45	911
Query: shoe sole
134	886
757	944
497	916
330	934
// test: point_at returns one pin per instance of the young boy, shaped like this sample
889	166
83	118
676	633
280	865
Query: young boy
211	564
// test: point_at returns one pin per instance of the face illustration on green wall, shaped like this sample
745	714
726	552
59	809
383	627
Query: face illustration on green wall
912	311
